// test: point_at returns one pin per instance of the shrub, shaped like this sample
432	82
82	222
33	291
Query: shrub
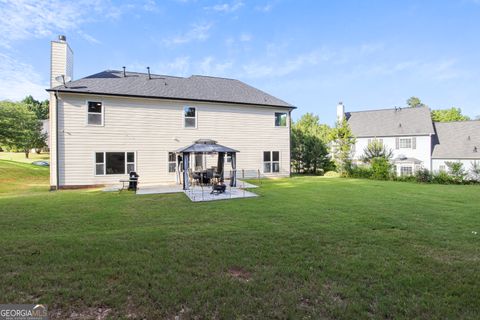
360	172
442	178
381	169
423	176
456	171
332	174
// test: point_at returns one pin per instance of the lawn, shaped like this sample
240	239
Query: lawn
20	156
309	247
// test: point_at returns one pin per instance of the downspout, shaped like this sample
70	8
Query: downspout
57	161
290	140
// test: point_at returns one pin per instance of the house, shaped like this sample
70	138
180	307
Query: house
113	122
415	140
457	141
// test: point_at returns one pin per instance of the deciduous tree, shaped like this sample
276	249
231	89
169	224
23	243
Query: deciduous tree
19	128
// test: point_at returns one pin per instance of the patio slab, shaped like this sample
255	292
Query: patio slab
198	195
160	189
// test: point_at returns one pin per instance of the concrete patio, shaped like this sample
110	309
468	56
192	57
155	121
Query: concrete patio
196	193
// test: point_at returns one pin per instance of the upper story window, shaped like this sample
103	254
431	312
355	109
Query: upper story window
95	113
405	143
189	117
280	119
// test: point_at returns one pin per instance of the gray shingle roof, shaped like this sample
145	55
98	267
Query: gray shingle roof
196	88
391	122
457	140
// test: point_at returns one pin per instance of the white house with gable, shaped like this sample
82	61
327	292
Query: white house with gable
415	140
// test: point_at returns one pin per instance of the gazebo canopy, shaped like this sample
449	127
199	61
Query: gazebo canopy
206	146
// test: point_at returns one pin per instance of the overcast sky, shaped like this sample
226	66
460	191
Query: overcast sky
312	54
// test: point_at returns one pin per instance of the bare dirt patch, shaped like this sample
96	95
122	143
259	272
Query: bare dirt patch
94	313
240	274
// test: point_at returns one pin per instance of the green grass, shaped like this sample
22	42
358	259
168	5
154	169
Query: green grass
309	247
20	156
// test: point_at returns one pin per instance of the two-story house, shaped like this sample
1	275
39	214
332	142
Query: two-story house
415	140
111	123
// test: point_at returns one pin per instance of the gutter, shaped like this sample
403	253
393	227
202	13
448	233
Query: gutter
169	98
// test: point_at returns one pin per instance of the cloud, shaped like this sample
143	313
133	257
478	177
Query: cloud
88	37
226	7
19	79
198	32
209	66
22	19
281	67
264	8
245	37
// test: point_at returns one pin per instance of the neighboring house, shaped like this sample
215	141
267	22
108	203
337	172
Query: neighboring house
105	125
457	141
415	140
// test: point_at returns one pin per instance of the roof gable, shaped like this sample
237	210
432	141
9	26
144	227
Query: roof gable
391	122
457	140
195	88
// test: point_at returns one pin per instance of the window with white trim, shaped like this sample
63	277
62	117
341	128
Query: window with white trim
189	117
280	119
271	161
405	143
172	163
108	163
94	113
442	168
406	170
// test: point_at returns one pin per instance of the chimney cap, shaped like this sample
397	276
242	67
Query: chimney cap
62	37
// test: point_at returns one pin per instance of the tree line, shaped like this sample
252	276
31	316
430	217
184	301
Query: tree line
21	125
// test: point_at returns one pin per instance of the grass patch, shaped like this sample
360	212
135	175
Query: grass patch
20	156
309	247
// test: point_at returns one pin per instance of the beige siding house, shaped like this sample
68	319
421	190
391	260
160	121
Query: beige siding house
108	124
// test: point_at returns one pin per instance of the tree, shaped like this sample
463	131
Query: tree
415	102
446	115
40	108
376	150
309	145
342	141
475	170
19	128
455	169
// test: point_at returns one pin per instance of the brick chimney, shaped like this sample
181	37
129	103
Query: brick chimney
61	62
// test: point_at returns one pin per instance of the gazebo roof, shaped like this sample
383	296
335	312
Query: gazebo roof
206	146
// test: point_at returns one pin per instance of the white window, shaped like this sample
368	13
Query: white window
172	163
271	161
405	143
406	171
189	117
280	119
94	113
442	168
107	163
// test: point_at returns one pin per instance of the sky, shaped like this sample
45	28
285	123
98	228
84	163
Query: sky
368	54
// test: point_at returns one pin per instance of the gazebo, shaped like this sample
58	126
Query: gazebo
207	146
